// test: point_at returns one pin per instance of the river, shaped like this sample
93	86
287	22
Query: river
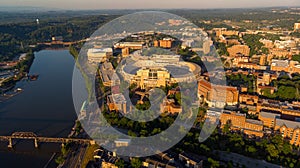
45	107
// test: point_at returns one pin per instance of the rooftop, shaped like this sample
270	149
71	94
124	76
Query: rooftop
269	115
287	123
254	122
116	98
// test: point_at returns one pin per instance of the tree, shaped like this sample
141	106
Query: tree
120	163
136	163
60	160
226	128
222	49
271	149
131	133
251	149
255	45
286	92
296	58
213	163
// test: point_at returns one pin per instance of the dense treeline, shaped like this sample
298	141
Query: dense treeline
287	88
258	16
15	38
256	47
273	148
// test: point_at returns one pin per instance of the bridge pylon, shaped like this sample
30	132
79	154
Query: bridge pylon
10	143
36	145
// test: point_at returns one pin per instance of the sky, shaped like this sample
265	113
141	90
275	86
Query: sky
144	4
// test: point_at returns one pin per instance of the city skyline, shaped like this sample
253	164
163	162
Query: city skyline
135	4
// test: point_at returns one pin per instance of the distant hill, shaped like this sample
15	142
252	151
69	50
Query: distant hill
27	9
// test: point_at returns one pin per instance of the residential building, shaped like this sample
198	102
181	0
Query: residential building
106	72
169	106
239	49
130	45
263	60
232	42
289	110
225	32
268	105
108	165
117	102
289	129
151	163
265	79
125	51
248	99
285	65
250	65
267	43
285	44
217	95
279	52
268	118
164	43
296	26
240	59
191	160
238	121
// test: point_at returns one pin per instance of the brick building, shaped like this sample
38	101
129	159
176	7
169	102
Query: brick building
238	121
164	43
285	65
217	95
289	129
239	49
169	106
117	102
248	99
296	26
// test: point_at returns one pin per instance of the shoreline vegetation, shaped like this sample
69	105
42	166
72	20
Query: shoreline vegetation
74	51
65	156
23	68
21	71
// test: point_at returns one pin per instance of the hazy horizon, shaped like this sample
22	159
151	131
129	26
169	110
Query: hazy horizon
154	4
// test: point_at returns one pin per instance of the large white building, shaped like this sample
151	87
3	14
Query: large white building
285	44
98	55
179	70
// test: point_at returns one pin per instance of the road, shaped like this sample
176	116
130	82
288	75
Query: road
75	158
243	160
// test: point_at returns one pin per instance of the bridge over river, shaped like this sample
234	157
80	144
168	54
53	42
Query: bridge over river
37	139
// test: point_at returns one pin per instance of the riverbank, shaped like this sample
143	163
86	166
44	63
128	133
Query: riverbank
21	71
